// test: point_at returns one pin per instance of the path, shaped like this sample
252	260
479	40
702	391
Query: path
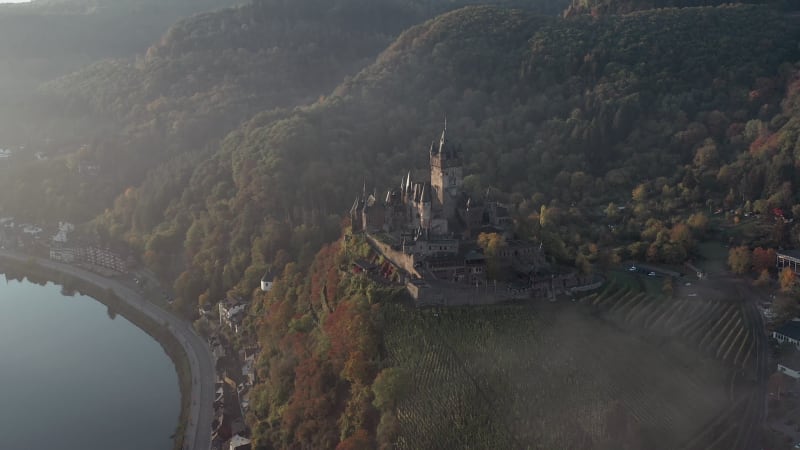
198	428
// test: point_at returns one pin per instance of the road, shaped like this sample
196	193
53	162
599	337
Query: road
198	428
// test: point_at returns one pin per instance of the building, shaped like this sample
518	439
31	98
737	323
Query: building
789	333
424	209
239	443
792	372
790	259
267	280
426	231
231	313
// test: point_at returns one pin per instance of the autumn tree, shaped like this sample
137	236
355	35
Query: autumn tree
787	279
763	259
492	244
785	307
763	278
739	259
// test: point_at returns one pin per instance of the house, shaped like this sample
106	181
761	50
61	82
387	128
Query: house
789	332
240	443
789	365
363	266
790	259
231	313
267	281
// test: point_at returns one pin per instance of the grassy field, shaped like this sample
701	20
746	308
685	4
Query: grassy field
518	377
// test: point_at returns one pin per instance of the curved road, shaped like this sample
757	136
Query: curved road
198	428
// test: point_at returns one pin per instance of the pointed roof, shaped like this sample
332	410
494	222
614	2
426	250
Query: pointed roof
354	208
445	149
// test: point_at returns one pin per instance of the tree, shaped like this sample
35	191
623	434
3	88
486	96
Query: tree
763	259
360	440
787	279
739	260
667	287
389	387
639	193
698	222
492	244
785	307
763	278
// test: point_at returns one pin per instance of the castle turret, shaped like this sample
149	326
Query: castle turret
424	207
446	175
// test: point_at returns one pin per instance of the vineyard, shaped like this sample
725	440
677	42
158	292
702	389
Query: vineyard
517	377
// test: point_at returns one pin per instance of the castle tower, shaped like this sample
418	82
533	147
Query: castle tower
446	175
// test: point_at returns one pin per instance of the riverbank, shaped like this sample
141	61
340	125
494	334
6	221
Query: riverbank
15	268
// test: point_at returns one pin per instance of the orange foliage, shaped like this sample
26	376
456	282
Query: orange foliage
763	259
358	441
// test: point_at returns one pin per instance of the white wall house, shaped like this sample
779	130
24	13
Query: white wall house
789	332
267	280
789	371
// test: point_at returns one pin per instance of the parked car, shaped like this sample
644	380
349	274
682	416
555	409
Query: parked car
651	274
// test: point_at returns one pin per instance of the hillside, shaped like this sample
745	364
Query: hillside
606	7
207	75
346	364
566	117
42	40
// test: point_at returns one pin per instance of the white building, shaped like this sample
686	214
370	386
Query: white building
789	332
789	259
267	280
239	443
794	373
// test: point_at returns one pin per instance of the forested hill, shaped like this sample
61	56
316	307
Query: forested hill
554	112
605	7
43	40
207	75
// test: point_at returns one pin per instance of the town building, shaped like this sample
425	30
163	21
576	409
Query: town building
790	259
232	312
95	255
239	443
789	333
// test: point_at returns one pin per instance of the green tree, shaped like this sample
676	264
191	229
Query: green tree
388	387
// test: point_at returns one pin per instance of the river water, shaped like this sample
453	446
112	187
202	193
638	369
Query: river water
73	378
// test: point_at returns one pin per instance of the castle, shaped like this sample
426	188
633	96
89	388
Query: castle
429	209
427	231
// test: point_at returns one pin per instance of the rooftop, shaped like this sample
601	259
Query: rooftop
790	253
790	329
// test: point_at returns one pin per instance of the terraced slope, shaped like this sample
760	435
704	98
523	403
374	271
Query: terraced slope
511	377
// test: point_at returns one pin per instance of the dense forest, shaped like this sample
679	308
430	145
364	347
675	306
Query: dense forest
562	119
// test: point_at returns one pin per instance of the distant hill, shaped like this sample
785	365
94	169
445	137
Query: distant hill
605	7
207	75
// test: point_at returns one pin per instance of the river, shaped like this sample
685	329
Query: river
73	378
